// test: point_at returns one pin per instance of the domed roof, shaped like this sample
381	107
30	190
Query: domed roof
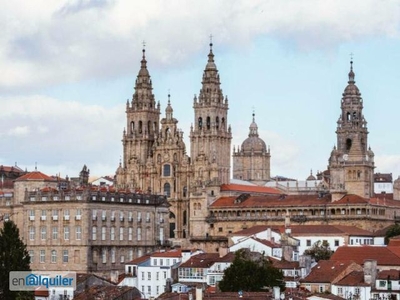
253	142
143	68
211	63
311	177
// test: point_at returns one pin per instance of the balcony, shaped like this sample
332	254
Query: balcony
31	218
43	218
130	219
55	218
66	218
78	217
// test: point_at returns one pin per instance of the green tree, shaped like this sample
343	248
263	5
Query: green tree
250	274
319	251
13	257
392	231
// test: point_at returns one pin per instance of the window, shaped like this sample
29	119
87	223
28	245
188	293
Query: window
104	215
42	256
55	233
149	289
158	276
31	215
78	232
121	216
113	255
43	215
78	214
139	217
130	216
112	216
94	215
382	283
308	243
167	170
43	233
66	233
31	255
112	235
139	234
103	233
121	233
219	229
104	255
147	217
161	262
167	261
336	243
94	233
53	256
148	275
55	214
130	254
165	274
65	256
130	233
66	214
122	258
31	233
155	262
321	288
142	275
167	189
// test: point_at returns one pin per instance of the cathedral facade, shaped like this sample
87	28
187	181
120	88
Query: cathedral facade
154	153
205	206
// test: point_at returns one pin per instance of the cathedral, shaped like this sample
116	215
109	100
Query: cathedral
198	187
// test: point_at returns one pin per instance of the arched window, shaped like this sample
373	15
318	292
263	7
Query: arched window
208	123
159	158
217	122
223	123
167	170
148	126
348	144
154	126
200	123
175	157
140	126
167	189
132	127
198	206
348	116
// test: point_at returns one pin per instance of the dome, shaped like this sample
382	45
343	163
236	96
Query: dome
311	176
253	142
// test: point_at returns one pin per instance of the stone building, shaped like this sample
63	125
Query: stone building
351	163
251	161
86	228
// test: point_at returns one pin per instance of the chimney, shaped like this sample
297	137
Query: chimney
199	293
223	251
277	293
370	271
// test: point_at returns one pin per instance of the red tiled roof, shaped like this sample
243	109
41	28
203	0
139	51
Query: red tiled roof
328	270
355	278
253	230
36	175
385	201
351	199
273	201
394	242
392	273
171	253
394	249
139	260
327	229
202	260
284	264
267	243
359	254
249	189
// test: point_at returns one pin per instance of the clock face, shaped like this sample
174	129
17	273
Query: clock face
345	156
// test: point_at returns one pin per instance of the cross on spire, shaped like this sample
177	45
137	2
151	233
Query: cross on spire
144	44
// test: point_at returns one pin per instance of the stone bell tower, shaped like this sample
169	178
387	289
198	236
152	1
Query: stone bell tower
351	163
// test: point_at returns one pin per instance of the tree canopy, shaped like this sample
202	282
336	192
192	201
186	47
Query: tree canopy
319	251
392	231
13	257
251	274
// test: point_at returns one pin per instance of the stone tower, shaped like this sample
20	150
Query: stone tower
351	163
170	172
251	161
142	117
210	139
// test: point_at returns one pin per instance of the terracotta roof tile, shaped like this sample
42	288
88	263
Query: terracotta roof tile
394	249
351	199
355	278
139	260
171	253
327	230
359	254
284	264
202	260
249	189
392	273
328	270
254	230
272	201
36	175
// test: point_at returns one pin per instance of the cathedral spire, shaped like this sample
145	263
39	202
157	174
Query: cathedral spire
351	74
253	127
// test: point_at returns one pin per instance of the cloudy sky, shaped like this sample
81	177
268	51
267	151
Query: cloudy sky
68	67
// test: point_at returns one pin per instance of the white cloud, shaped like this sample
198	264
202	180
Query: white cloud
58	41
61	131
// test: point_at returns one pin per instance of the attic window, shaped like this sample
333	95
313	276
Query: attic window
241	198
